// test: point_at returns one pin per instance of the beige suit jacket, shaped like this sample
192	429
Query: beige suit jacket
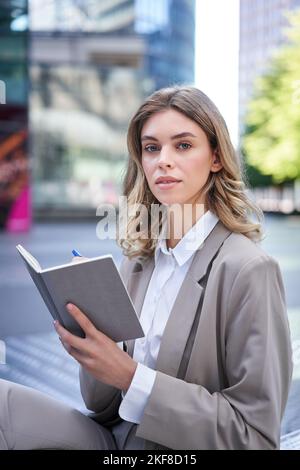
224	365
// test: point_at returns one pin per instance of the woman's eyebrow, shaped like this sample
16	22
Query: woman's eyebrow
177	136
148	137
183	134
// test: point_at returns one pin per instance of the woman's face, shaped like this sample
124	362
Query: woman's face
175	146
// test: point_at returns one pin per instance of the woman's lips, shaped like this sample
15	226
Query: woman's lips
167	185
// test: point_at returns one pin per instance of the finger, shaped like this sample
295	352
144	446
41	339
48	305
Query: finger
66	346
78	356
81	319
67	337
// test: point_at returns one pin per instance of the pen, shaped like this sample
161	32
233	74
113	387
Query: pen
76	253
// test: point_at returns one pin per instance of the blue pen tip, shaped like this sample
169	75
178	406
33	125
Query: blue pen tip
76	253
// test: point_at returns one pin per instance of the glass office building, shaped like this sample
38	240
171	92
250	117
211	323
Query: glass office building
91	63
14	161
262	31
169	29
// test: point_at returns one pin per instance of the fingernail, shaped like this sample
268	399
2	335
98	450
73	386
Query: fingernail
55	322
69	306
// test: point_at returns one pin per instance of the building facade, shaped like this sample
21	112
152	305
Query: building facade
90	65
168	27
15	194
262	26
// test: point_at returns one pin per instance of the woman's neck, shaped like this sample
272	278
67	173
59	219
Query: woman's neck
180	220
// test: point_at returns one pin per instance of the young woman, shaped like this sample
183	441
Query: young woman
214	368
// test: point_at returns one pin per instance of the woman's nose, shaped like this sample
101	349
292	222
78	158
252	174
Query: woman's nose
165	159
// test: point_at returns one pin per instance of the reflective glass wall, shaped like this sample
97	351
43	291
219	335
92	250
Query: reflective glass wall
168	27
92	63
78	120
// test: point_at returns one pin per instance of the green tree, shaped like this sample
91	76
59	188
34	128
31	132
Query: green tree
271	141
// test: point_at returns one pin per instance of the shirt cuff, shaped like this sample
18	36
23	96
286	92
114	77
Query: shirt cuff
136	397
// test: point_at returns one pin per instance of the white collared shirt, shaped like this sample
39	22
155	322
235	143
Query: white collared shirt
168	275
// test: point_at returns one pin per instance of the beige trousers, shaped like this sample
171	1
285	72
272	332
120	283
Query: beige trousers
30	419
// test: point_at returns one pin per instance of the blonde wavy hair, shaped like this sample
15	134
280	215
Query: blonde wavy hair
224	192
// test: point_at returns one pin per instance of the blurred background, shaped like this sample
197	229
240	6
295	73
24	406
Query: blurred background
72	73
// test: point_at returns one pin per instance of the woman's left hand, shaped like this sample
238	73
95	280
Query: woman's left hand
97	353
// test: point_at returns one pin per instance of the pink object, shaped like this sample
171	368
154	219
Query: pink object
20	216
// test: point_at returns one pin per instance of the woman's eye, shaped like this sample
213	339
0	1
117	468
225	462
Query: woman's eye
184	146
151	148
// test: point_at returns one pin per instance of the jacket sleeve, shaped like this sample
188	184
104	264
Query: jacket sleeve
258	367
102	399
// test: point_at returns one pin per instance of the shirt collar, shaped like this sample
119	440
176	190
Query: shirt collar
191	241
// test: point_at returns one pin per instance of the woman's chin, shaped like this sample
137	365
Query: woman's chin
169	201
167	198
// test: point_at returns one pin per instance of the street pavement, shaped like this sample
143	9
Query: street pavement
34	355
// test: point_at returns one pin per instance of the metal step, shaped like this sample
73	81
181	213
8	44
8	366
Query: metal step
40	361
290	441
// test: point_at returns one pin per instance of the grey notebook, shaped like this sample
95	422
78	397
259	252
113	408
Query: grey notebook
95	286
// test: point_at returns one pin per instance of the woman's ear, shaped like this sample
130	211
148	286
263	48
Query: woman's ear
216	164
